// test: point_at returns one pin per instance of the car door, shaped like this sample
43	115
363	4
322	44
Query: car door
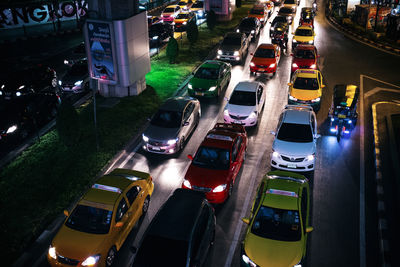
135	200
122	215
304	203
188	122
237	157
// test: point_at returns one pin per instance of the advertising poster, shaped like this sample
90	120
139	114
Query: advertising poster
100	54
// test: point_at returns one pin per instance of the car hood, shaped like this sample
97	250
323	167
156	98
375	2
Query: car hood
180	20
229	47
263	61
161	133
246	29
78	245
202	83
272	253
304	61
203	177
304	94
240	110
293	149
68	78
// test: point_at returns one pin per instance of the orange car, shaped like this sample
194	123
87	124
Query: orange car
265	59
260	12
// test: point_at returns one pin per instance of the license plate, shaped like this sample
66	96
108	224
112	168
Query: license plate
199	93
261	69
7	97
155	148
292	166
237	122
341	116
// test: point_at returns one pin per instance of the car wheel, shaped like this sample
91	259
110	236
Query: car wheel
273	74
146	204
111	256
182	143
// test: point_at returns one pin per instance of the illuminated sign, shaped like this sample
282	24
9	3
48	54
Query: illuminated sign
219	137
107	188
281	192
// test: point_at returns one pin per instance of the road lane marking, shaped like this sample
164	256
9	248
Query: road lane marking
362	178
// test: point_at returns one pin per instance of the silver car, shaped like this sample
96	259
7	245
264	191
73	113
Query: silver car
172	125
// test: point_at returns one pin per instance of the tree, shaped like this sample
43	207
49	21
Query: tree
67	124
211	19
192	32
172	50
238	3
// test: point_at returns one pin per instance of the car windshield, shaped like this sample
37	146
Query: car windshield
265	53
289	2
247	23
90	220
182	16
306	54
182	3
167	119
257	11
277	224
156	28
207	73
212	158
303	32
243	98
285	10
306	83
293	132
198	4
231	40
169	10
279	19
169	252
78	69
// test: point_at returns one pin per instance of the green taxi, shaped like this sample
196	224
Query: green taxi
210	79
279	222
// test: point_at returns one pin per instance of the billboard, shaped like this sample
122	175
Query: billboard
100	50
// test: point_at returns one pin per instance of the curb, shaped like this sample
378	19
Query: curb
382	46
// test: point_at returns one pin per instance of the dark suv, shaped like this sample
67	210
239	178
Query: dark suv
180	234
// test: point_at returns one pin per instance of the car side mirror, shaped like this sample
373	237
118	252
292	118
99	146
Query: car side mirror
309	229
190	156
291	54
317	136
66	213
246	220
323	86
133	249
186	123
251	54
290	84
119	224
272	132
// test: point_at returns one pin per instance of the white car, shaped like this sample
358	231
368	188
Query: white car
295	141
170	13
245	103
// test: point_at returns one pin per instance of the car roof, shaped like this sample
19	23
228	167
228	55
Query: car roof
298	115
176	103
282	192
176	218
212	64
109	187
248	86
219	137
266	46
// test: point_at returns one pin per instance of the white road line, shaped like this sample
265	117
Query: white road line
130	155
362	178
377	80
242	214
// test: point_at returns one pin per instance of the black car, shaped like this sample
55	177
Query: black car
19	83
180	234
23	116
250	26
288	12
280	34
159	32
277	19
77	54
76	79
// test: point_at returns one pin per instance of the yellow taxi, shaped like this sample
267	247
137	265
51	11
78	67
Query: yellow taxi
279	222
305	88
100	222
303	35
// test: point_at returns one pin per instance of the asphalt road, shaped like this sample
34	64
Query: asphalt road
343	235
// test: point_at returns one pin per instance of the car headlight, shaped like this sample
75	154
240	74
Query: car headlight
12	129
252	32
316	100
212	88
272	65
200	12
313	66
294	65
184	23
253	115
236	53
78	83
248	261
219	52
190	86
66	62
310	157
272	28
59	82
237	30
275	154
90	261
172	141
155	37
219	188
187	183
1	92
52	252
292	98
145	138
294	41
311	42
252	64
18	93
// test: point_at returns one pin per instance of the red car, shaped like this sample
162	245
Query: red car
217	162
265	59
305	56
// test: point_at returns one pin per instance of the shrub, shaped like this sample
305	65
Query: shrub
172	50
67	124
238	3
211	19
192	32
